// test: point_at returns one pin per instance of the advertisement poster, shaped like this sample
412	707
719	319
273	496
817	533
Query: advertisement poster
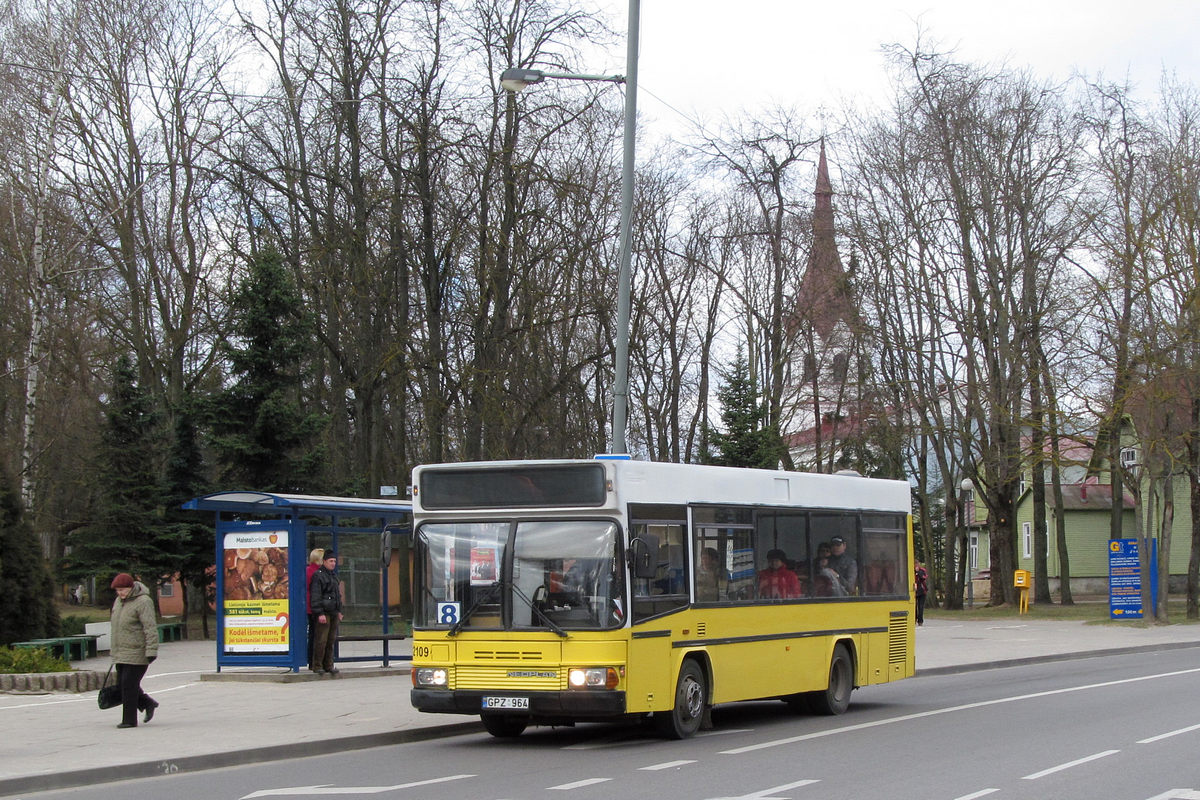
483	566
256	592
1124	580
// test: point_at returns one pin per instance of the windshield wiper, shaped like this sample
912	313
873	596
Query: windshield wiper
551	624
484	597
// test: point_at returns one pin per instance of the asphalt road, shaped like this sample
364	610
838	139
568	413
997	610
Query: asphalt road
1114	728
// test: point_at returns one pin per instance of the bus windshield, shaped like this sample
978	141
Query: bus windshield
559	575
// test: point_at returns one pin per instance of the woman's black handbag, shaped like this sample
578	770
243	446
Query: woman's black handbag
109	696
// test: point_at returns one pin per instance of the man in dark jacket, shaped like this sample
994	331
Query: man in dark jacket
325	598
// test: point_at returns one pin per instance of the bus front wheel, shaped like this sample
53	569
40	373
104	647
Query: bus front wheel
835	699
691	700
503	726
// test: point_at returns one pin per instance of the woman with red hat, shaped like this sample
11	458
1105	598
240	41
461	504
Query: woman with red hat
134	646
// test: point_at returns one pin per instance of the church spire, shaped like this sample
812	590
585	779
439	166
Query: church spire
823	298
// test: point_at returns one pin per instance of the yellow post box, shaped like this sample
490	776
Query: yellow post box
1022	579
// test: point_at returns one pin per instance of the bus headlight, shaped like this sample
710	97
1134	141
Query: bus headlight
429	676
593	678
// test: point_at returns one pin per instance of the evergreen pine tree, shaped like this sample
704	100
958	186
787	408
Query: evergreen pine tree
263	438
127	532
746	441
192	537
26	587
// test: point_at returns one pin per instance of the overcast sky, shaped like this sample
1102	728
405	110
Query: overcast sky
710	58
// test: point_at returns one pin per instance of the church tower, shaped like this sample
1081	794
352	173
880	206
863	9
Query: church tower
825	332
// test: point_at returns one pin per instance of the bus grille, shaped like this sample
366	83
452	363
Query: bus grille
502	678
508	655
897	640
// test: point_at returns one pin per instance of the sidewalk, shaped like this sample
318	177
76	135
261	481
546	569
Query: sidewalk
61	740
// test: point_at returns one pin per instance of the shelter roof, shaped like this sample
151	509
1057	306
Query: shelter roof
272	503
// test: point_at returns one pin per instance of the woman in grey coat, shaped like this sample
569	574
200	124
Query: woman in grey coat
134	646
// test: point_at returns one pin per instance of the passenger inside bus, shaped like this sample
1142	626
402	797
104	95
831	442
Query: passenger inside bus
844	565
777	582
710	578
826	582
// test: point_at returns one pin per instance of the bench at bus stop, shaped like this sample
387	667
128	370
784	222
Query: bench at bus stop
72	648
385	638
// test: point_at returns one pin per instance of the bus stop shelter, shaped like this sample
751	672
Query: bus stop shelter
262	544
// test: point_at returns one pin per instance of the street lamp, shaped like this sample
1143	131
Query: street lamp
967	487
514	80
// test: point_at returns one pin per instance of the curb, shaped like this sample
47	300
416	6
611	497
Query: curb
258	755
1022	662
43	682
304	676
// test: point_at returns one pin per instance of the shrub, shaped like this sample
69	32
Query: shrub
72	625
23	660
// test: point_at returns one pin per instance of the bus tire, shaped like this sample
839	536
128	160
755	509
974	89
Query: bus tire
835	699
691	701
504	726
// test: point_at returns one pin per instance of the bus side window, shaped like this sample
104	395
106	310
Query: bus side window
883	558
667	590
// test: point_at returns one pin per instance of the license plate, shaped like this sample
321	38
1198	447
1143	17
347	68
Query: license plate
506	702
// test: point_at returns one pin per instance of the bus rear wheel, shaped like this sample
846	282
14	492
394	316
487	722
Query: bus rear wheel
835	699
503	726
691	700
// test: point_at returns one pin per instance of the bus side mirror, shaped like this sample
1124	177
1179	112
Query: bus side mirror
643	556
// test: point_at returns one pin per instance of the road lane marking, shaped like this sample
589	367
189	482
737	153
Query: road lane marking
169	674
625	739
325	788
765	794
1068	765
667	765
939	711
1177	794
980	793
577	784
1169	734
617	740
44	703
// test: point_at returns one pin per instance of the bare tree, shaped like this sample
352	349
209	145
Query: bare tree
762	159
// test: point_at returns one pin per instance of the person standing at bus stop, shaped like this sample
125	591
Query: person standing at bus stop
314	564
325	597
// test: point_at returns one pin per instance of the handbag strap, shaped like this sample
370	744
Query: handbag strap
104	682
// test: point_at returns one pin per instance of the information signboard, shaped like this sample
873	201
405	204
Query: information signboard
1124	580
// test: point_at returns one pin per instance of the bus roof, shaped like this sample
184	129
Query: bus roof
660	482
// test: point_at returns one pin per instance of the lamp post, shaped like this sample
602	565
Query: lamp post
514	80
967	487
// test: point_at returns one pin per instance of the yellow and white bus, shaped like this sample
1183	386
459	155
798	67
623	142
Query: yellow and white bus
550	592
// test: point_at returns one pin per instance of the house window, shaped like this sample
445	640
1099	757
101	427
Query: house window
1027	539
166	590
974	554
